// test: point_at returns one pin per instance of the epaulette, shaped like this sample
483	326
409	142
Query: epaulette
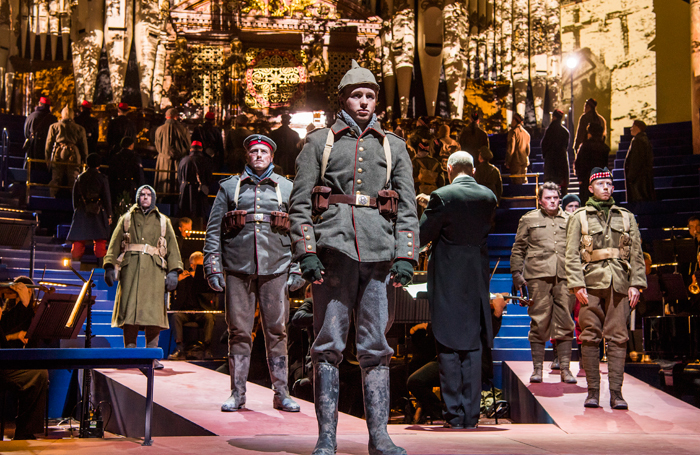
395	135
316	130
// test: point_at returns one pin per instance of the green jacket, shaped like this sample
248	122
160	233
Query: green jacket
357	165
620	273
540	244
140	296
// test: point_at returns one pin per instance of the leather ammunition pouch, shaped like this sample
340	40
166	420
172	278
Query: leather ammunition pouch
388	203
233	220
279	222
320	199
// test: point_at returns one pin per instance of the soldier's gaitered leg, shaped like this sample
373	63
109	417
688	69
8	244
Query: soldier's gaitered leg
274	312
374	353
152	337
540	322
130	333
591	319
57	173
562	329
615	331
334	301
240	312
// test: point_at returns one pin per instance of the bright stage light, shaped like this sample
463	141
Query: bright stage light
572	62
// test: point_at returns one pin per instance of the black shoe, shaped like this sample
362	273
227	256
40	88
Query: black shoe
157	365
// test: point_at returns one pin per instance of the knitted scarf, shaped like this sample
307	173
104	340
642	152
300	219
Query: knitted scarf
601	206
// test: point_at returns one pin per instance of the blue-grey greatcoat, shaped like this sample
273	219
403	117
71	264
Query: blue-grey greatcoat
357	165
254	249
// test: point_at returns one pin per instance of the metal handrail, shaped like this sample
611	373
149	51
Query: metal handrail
536	197
5	164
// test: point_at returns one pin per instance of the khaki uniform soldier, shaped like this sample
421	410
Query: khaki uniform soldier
355	232
605	269
538	257
66	149
518	150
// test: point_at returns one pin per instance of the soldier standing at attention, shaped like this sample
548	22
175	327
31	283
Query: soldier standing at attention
537	260
605	269
143	250
355	232
247	252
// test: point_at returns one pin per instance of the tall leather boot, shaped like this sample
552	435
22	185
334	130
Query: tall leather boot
617	353
591	363
563	349
238	366
326	390
555	365
537	350
375	387
279	374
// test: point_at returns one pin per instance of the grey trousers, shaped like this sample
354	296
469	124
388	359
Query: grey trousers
604	316
350	286
460	384
550	313
242	292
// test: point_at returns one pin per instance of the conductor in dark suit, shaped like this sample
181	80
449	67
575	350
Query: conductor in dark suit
457	220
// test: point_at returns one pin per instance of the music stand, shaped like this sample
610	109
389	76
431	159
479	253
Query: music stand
673	286
53	314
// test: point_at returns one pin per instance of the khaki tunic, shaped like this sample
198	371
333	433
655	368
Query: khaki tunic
540	245
140	296
538	253
518	153
619	273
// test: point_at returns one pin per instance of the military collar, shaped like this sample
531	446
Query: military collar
560	213
273	179
340	127
592	209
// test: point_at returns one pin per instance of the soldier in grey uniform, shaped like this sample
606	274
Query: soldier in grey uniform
605	269
248	253
363	243
537	260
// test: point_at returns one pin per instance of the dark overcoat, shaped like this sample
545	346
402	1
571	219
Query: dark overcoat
92	129
36	129
639	170
90	185
554	152
125	174
194	178
117	129
212	141
287	141
457	221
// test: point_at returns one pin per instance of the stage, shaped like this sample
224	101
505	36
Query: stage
187	400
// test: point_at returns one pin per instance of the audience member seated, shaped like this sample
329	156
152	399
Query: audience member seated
16	312
193	294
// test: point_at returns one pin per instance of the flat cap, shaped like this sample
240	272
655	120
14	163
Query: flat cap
123	107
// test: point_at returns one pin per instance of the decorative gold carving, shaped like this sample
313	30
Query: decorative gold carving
369	59
317	65
275	78
180	66
207	74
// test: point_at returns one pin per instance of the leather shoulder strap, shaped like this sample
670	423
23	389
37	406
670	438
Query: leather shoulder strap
584	222
127	220
163	225
330	139
387	154
237	193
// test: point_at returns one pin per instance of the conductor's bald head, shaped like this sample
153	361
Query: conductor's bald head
460	163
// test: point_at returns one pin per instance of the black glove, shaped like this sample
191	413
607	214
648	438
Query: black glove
518	280
110	276
171	280
216	282
311	267
402	272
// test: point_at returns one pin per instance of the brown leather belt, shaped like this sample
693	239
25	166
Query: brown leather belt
602	254
358	199
259	217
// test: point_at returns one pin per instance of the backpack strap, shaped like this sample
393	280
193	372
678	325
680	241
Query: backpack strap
163	225
237	193
330	139
127	220
387	155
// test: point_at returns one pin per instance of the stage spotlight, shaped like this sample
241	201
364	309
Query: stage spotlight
572	62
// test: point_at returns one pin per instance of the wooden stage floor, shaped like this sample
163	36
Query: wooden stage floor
655	424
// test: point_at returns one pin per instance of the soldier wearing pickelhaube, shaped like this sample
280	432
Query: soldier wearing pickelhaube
354	230
247	253
605	269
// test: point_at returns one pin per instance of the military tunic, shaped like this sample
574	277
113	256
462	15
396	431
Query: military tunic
538	253
607	281
518	153
256	260
356	244
65	132
140	296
